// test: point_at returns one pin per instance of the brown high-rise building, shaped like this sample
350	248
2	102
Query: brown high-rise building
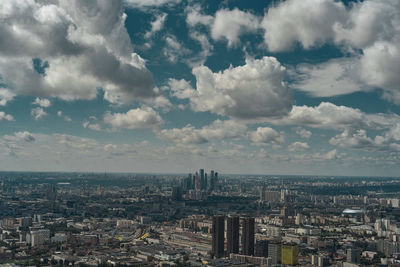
248	236
218	229
232	234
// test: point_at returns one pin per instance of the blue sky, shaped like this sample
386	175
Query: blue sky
260	87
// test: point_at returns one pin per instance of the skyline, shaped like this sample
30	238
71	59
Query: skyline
170	86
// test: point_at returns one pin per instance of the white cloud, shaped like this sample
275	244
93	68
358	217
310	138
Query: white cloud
230	24
150	3
331	78
22	136
252	91
156	25
368	22
370	30
330	116
226	25
218	130
309	22
38	113
352	139
195	17
90	49
61	115
92	126
206	48
6	117
303	133
144	117
42	102
380	67
173	49
5	96
298	146
266	135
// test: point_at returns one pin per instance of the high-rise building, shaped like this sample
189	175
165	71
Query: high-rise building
212	180
197	181
262	193
232	234
176	193
248	236
353	255
290	254
218	229
274	252
261	248
201	179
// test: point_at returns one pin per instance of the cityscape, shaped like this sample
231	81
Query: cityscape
204	218
202	133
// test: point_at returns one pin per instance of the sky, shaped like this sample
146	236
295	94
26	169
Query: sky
296	87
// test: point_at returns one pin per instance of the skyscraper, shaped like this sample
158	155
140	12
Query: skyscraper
248	236
261	249
218	228
212	180
197	181
232	234
201	179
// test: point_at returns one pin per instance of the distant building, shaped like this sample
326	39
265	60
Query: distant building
353	255
177	193
202	179
290	254
261	248
272	196
218	229
248	236
232	234
39	237
262	193
274	252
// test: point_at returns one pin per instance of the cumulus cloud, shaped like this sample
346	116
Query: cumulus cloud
352	139
5	117
156	25
219	130
370	30
303	133
5	96
266	135
144	117
298	146
252	91
308	22
380	67
42	102
226	24
38	113
90	49
330	116
230	24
